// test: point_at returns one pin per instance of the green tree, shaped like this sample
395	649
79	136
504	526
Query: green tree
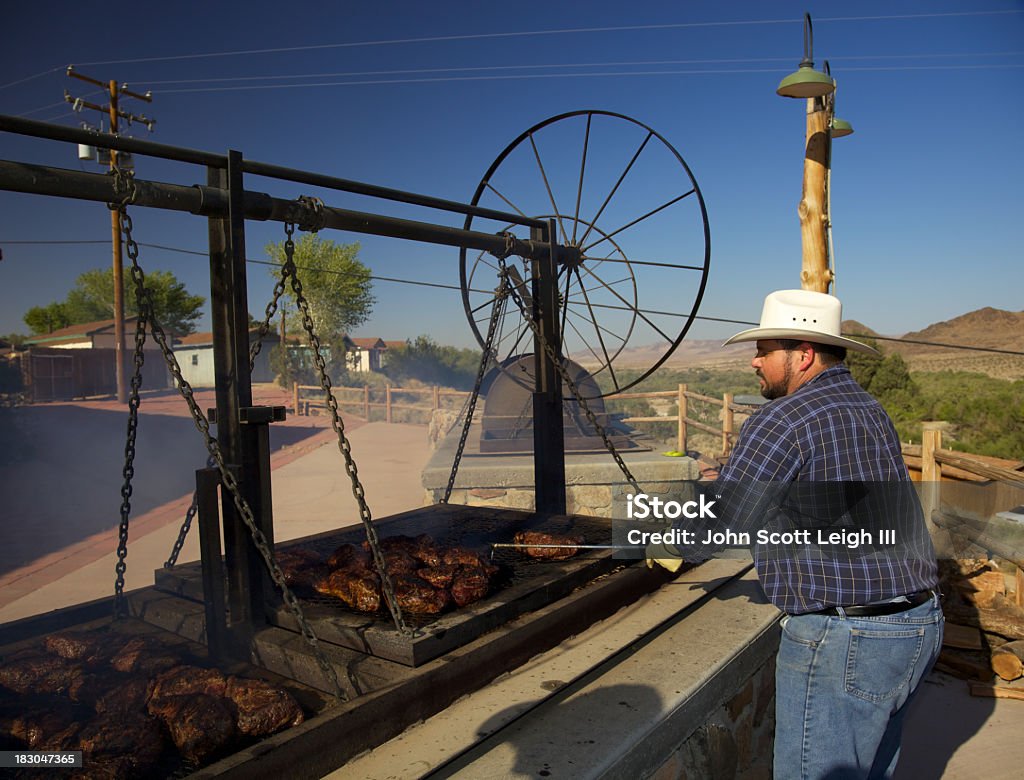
425	360
334	282
92	298
45	319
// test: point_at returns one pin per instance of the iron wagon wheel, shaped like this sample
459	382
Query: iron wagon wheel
625	197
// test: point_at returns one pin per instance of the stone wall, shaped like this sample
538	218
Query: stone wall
735	742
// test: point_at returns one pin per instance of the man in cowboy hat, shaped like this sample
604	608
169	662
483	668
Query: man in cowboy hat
862	626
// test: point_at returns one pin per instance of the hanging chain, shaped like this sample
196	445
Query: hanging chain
500	296
271	310
557	362
186	524
124	186
339	428
145	300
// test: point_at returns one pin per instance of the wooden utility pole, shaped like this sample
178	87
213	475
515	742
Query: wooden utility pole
815	273
114	89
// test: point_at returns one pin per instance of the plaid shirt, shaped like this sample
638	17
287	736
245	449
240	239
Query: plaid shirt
828	431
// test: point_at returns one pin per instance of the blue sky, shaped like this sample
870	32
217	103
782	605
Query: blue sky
926	197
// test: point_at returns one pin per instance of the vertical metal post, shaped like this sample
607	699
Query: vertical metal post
118	267
207	481
229	310
548	433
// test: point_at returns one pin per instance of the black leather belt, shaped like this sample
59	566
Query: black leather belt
885	608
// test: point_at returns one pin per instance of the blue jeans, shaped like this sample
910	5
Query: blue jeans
841	690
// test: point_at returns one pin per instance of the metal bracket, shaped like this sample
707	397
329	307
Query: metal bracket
254	415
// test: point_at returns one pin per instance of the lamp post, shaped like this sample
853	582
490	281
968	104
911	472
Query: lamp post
818	89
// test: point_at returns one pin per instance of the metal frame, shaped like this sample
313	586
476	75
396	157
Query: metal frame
242	428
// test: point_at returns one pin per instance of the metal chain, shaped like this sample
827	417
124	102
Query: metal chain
557	361
186	524
128	471
271	310
228	480
500	296
339	428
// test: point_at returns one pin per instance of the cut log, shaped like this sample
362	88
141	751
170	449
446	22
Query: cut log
993	581
996	691
1008	660
1003	618
961	637
962	665
1019	592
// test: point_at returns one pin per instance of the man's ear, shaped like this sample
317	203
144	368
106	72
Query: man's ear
807	353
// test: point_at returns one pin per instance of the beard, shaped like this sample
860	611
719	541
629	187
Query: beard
778	389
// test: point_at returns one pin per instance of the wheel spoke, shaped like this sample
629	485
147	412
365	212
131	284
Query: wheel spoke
551	196
511	205
579	189
597	328
600	211
639	219
647	262
629	306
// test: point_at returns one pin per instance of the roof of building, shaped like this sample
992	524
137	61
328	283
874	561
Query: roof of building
82	332
368	343
206	338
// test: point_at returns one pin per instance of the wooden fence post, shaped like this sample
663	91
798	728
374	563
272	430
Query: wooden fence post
437	398
931	474
366	402
681	429
726	423
295	398
387	403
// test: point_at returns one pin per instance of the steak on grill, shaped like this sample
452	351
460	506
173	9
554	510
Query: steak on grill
549	553
300	567
90	647
358	589
39	672
439	576
263	708
351	557
200	725
184	679
419	596
470	584
145	656
138	738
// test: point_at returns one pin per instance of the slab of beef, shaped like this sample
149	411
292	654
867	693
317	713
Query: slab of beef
144	656
421	547
399	562
90	647
200	725
439	576
548	553
90	686
263	708
300	567
124	695
419	596
185	679
40	724
359	589
39	672
134	736
460	556
350	557
470	584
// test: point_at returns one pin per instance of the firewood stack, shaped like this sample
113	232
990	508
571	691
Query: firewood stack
984	639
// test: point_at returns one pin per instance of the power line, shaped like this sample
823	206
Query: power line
438	285
563	31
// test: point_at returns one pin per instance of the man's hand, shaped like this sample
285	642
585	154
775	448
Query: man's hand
664	555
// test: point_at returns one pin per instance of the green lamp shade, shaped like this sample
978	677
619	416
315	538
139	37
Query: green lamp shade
806	83
841	127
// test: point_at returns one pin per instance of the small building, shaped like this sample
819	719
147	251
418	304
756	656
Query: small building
365	354
195	356
91	335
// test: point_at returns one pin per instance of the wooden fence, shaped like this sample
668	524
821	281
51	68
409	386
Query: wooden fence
362	401
727	431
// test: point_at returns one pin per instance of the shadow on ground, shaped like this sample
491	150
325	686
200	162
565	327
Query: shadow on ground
61	471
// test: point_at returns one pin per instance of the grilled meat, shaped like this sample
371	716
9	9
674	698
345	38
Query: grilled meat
145	656
419	596
300	567
89	647
39	724
399	562
460	556
421	547
200	725
263	709
181	680
359	589
39	672
134	736
127	696
548	553
350	557
438	576
470	584
89	687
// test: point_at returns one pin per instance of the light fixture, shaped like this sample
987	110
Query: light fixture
841	127
806	82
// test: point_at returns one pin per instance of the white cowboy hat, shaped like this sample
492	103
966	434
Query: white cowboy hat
802	315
